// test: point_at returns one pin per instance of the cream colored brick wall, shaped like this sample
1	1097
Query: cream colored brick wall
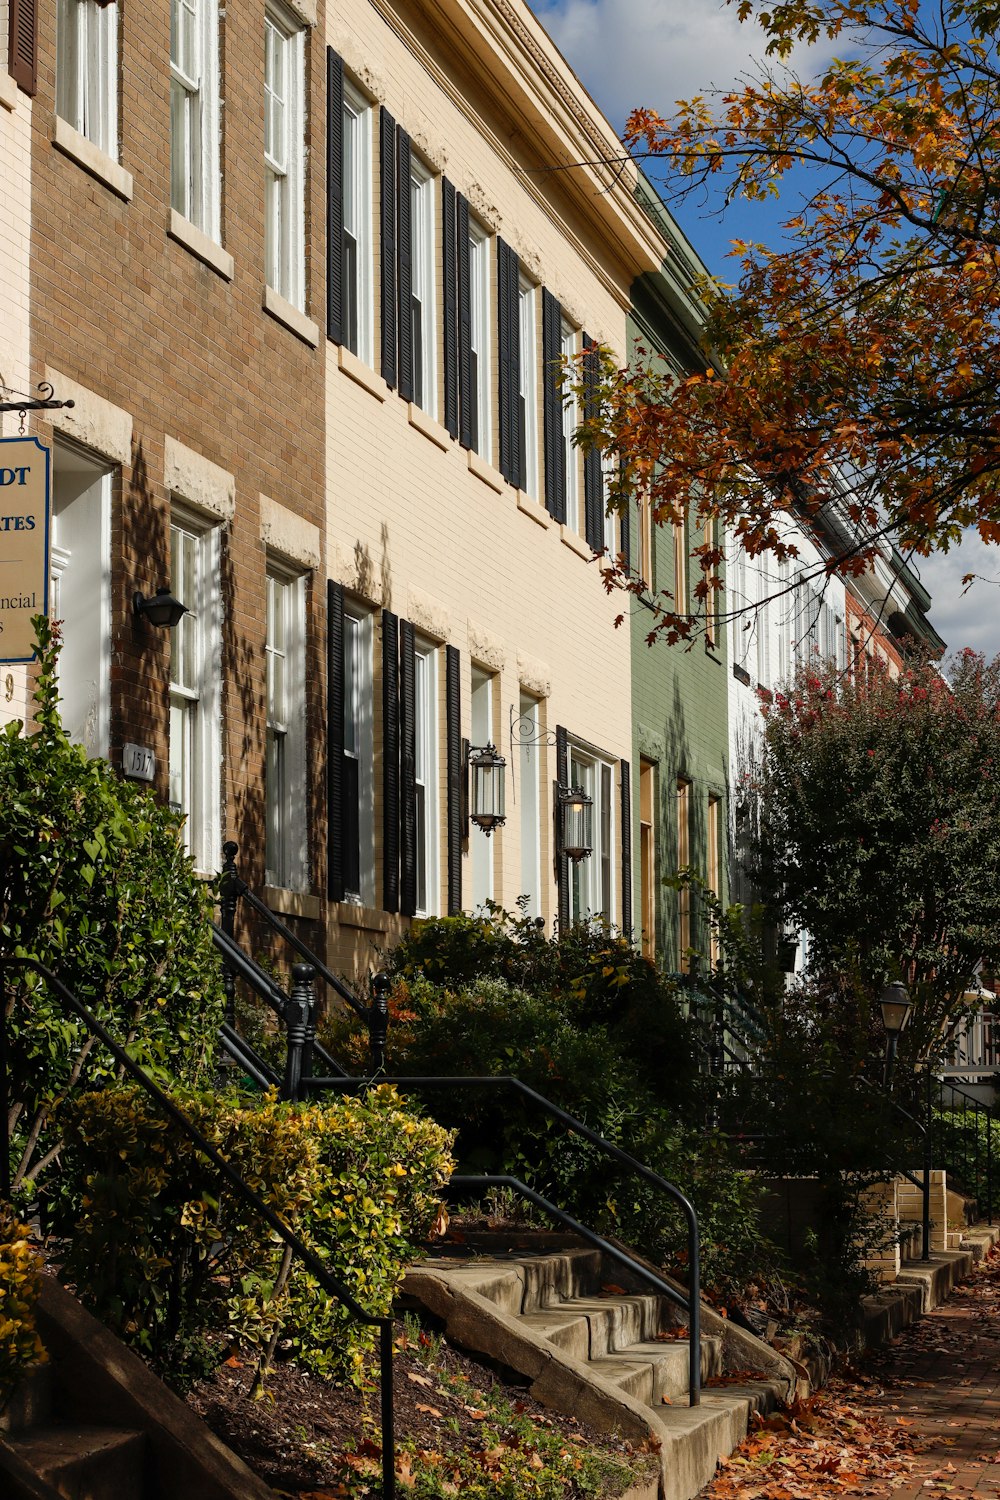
416	524
15	210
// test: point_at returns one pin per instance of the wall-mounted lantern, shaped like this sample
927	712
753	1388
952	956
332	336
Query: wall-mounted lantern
486	769
160	609
576	822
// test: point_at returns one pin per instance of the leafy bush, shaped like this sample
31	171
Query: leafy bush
967	1144
20	1283
95	883
165	1253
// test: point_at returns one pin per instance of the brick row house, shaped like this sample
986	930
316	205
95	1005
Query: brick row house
308	278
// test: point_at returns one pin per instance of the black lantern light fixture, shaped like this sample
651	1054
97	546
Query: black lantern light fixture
486	791
576	822
896	1007
160	609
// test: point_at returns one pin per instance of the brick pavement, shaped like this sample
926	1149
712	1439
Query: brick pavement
941	1379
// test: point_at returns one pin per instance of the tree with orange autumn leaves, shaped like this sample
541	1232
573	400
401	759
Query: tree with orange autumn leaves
855	368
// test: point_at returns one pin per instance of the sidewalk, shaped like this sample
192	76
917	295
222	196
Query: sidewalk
941	1378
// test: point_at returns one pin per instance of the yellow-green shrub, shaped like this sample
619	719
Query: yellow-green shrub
20	1284
166	1253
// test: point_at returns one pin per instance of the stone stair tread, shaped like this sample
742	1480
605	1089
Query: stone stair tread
85	1462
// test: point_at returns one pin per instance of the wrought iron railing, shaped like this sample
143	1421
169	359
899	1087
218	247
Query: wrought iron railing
963	1145
313	1263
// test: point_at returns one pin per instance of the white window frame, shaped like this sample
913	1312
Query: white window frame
482	702
85	660
194	114
530	751
87	71
425	712
284	155
575	518
527	381
196	695
593	887
359	733
359	296
423	287
479	331
286	793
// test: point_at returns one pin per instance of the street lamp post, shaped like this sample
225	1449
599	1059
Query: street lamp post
896	1006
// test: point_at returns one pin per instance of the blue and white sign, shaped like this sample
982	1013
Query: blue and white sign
25	513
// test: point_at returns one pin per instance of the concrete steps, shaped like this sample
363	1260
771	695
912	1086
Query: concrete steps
615	1356
79	1461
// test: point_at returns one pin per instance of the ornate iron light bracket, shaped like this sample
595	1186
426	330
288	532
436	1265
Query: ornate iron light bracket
45	401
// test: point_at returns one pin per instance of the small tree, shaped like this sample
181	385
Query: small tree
880	839
95	883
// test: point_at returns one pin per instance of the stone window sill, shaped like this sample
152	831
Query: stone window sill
293	903
485	471
532	509
284	312
575	543
200	244
430	428
363	375
8	90
92	159
366	918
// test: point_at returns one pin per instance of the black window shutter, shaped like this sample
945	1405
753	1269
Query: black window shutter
22	49
334	196
387	138
593	479
449	273
625	536
453	710
626	771
335	740
555	452
407	770
464	323
390	761
562	860
509	345
404	246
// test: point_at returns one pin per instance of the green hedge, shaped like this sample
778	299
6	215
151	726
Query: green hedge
163	1251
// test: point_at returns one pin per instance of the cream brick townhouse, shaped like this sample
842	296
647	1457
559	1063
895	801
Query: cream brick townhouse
474	237
307	273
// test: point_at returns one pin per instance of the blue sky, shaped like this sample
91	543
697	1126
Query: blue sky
655	51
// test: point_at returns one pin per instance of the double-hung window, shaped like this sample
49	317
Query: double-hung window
570	421
529	752
592	888
481	846
423	299
357	193
87	70
285	771
527	387
425	777
194	113
284	156
479	326
357	802
195	688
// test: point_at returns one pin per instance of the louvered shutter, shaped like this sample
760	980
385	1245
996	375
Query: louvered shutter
387	139
390	761
465	428
509	345
22	50
562	860
335	740
334	196
449	273
555	451
404	247
593	479
626	774
453	712
625	536
407	770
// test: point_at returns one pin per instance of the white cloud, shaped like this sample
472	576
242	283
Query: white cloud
971	618
653	53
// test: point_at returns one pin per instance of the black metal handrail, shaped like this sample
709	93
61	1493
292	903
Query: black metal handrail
329	1283
979	1110
232	890
691	1303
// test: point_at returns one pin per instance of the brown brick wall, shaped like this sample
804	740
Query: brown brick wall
132	315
